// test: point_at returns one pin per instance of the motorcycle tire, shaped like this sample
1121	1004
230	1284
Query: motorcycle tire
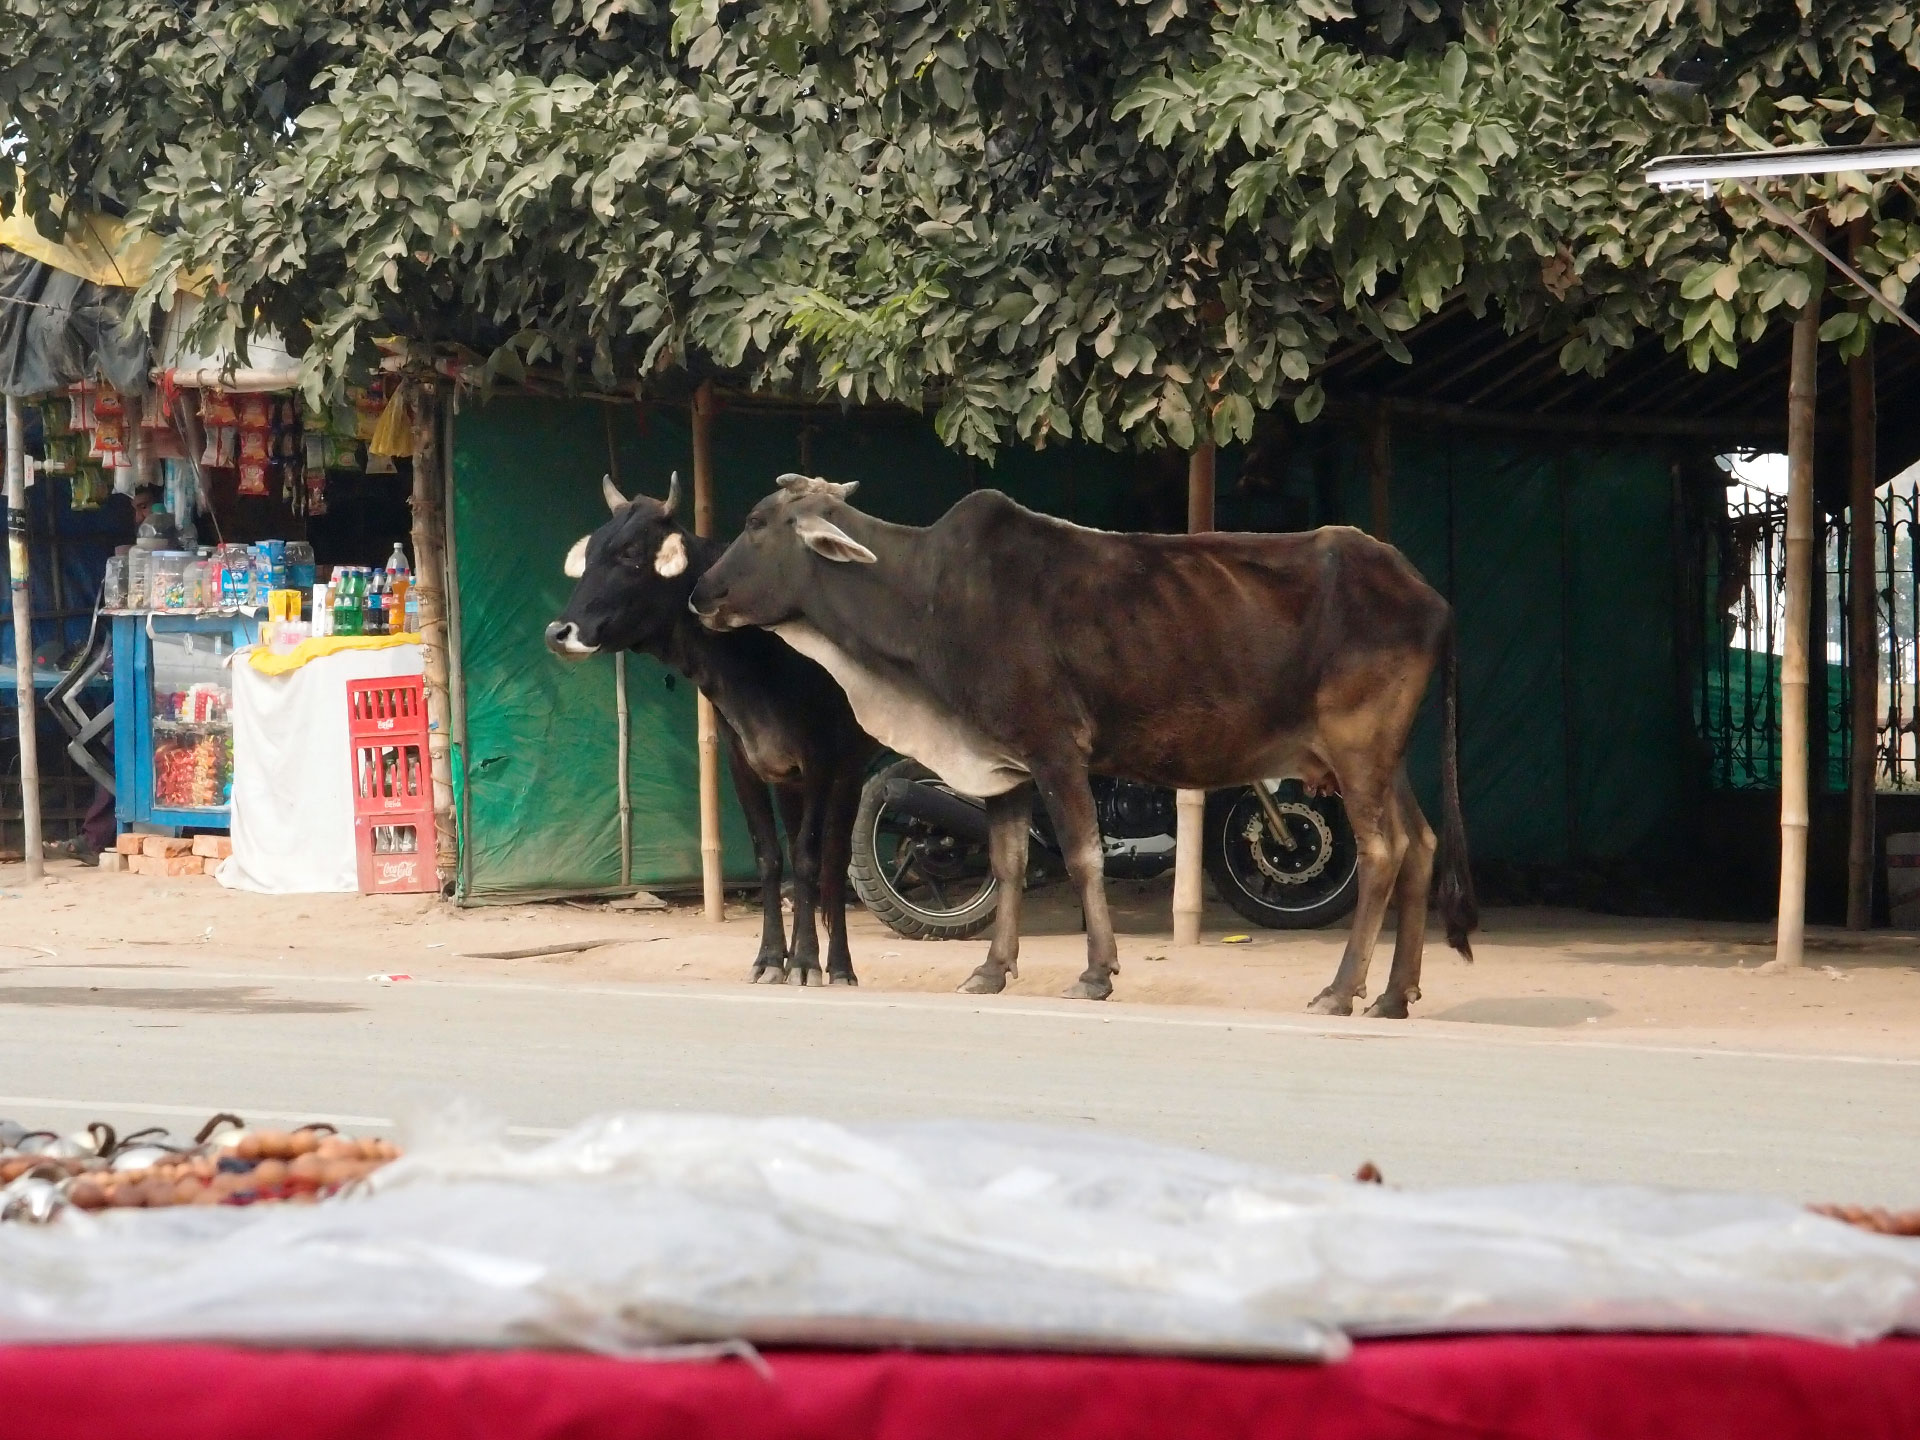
1312	883
888	852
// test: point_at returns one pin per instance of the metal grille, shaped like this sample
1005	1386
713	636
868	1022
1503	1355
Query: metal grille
1737	701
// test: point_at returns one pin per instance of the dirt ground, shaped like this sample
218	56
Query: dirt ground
1536	971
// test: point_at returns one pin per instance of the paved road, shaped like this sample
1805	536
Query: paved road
1431	1105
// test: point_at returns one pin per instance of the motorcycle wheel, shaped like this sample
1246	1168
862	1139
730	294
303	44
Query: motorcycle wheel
925	883
1313	882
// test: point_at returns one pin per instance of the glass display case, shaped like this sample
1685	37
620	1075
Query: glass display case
173	717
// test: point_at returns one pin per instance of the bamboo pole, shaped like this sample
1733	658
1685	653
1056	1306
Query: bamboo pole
1380	471
430	582
18	571
456	676
1190	806
709	728
623	733
1864	642
1790	937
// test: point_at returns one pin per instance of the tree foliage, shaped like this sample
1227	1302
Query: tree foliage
1121	220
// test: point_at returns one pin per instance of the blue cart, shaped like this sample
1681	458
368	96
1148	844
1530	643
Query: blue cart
172	717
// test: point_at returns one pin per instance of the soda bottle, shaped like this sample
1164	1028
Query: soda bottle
346	604
375	622
399	578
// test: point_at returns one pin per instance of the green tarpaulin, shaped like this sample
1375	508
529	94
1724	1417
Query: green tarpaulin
1559	561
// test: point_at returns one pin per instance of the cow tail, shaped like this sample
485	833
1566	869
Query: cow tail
1458	909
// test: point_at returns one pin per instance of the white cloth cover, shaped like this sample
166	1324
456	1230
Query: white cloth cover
645	1230
292	775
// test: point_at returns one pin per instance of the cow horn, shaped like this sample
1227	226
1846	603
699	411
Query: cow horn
814	485
616	502
672	502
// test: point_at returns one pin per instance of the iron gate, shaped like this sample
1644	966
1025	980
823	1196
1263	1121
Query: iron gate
1737	699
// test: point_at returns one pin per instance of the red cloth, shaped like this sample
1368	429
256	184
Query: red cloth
1611	1387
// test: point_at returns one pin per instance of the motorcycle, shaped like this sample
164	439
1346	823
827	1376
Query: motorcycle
1281	857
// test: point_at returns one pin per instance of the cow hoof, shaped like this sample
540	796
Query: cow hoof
769	975
1331	1002
984	982
1084	989
836	978
1388	1007
807	975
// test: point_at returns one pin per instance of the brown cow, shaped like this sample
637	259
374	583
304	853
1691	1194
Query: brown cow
1001	648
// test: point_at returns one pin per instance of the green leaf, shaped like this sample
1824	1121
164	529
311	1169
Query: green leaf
1839	326
1232	420
1308	404
1700	281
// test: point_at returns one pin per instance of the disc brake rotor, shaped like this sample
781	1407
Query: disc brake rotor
1255	834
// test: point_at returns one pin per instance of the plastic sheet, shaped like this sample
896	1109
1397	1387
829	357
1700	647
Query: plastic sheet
648	1230
57	329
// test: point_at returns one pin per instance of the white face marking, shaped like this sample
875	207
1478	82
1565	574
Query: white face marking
909	722
671	560
576	564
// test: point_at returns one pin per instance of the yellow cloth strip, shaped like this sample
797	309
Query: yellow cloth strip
268	663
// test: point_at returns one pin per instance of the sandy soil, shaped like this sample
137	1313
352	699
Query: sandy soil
1537	972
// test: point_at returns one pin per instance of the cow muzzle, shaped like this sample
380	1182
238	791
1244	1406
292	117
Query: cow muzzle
563	638
711	607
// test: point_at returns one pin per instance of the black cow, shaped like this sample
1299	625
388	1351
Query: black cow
1003	648
785	723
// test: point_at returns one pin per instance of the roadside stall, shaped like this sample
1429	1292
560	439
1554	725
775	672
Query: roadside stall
276	525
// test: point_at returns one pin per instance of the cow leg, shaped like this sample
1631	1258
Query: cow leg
836	849
1063	785
800	810
1009	817
1410	906
1382	843
757	805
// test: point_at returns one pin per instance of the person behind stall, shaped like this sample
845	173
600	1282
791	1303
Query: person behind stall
97	831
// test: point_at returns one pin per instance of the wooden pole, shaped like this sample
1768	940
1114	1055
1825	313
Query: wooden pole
1790	937
18	571
709	727
1863	647
430	583
1190	806
1380	472
623	727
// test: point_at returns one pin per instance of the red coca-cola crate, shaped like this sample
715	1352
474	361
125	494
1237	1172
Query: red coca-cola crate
392	787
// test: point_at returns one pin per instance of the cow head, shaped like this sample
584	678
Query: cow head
632	577
764	577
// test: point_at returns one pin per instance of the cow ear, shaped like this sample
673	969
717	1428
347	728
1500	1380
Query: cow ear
828	540
671	558
576	563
